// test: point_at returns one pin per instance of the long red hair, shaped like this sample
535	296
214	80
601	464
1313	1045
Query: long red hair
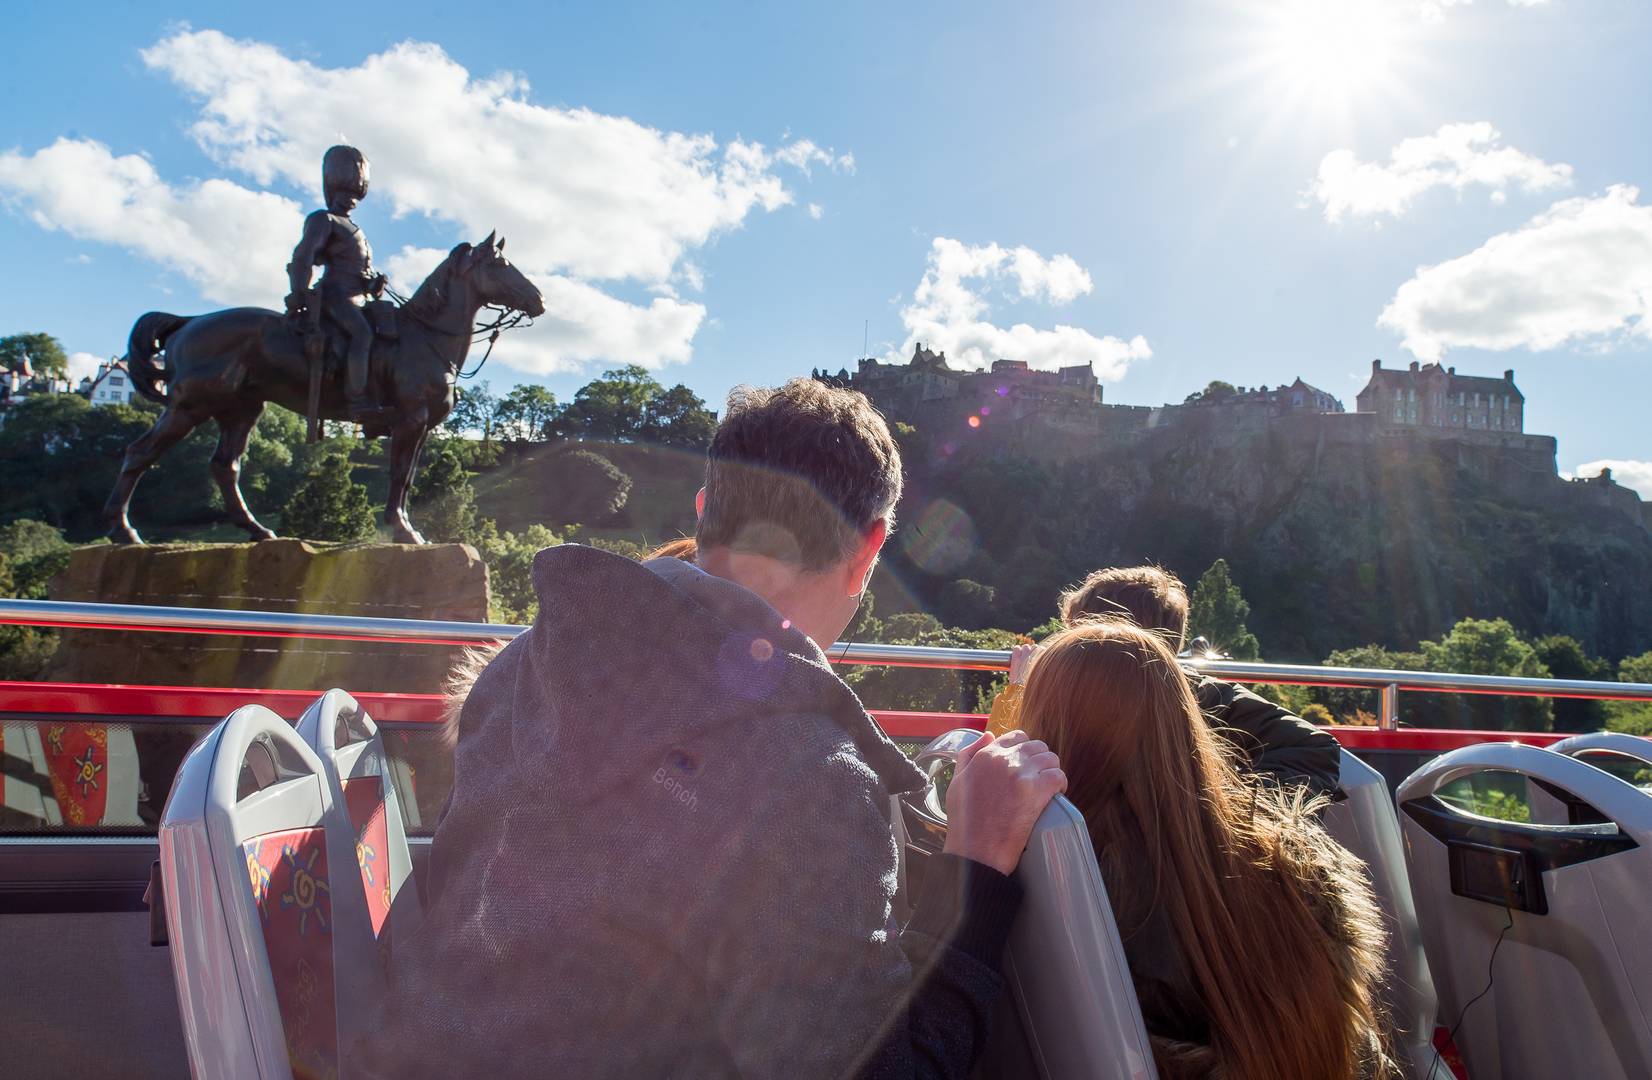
1286	976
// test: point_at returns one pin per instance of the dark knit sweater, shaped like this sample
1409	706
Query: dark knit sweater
668	853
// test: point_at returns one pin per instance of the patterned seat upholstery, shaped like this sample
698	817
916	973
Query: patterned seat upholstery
79	775
272	948
352	754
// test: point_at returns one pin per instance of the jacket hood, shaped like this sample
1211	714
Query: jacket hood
672	654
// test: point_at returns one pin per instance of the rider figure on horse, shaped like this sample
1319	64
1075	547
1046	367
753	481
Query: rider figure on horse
337	244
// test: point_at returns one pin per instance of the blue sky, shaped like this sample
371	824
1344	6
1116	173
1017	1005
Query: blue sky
1176	191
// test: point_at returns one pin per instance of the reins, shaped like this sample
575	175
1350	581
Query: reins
505	319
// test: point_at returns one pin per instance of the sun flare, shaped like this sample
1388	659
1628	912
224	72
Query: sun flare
1332	52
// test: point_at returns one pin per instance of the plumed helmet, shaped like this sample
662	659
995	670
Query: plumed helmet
344	169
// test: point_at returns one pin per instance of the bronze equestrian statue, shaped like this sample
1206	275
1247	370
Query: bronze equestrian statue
398	381
335	243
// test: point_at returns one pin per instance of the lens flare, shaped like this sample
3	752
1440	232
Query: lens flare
940	539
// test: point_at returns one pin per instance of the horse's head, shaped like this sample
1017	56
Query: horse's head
496	281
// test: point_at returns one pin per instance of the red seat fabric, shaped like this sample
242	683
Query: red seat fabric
288	874
77	760
364	800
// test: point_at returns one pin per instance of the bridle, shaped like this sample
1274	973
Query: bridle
504	318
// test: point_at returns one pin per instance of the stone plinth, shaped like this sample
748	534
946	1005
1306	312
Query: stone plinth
437	582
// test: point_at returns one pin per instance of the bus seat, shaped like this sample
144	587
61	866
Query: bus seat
359	775
1541	921
25	778
1069	1011
272	949
75	774
1365	824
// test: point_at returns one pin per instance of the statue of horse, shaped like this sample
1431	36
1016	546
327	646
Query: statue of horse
225	366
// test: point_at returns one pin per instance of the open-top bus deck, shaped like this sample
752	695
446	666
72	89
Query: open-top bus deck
105	971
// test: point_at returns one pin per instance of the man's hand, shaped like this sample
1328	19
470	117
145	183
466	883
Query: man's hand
1021	658
999	787
297	303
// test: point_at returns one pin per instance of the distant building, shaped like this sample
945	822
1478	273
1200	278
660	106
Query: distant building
112	385
1012	410
21	382
1298	395
1430	396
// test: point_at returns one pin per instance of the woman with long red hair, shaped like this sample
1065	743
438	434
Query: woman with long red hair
1253	938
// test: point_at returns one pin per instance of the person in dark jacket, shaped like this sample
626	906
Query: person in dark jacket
1272	742
668	850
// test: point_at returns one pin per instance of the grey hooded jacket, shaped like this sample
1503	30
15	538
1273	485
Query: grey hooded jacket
668	853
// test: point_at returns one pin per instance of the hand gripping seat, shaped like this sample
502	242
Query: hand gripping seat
272	947
1365	823
1544	922
359	776
1069	1011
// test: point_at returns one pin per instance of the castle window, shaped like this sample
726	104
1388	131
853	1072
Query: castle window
1399	414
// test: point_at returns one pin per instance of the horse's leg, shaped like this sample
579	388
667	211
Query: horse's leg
173	425
234	432
405	442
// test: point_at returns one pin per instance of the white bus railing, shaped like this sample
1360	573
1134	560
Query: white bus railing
1388	683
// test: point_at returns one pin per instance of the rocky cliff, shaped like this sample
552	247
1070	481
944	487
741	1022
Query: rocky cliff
1339	534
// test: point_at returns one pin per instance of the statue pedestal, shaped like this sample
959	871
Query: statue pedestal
439	581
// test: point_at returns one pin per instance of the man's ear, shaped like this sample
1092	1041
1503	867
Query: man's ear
866	557
699	504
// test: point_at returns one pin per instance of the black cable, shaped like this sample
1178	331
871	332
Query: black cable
1491	965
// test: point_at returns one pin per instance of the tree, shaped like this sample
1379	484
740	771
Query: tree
1565	659
446	501
1635	717
525	413
1216	390
1217	612
329	505
967	603
678	417
612	407
1489	647
509	557
473	410
1346	703
30	553
866	625
590	488
46	355
927	689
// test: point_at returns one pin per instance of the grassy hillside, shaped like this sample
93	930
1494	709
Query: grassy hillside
522	489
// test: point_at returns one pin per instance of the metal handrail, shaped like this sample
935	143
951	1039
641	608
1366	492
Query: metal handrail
1388	682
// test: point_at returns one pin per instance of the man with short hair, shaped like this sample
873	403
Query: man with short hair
668	851
1272	741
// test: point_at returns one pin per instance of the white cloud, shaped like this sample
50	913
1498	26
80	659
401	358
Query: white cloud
1631	474
1457	156
586	199
230	242
581	322
82	365
816	211
601	197
1581	271
1434	10
804	155
949	311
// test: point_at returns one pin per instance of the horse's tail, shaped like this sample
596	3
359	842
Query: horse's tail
149	336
